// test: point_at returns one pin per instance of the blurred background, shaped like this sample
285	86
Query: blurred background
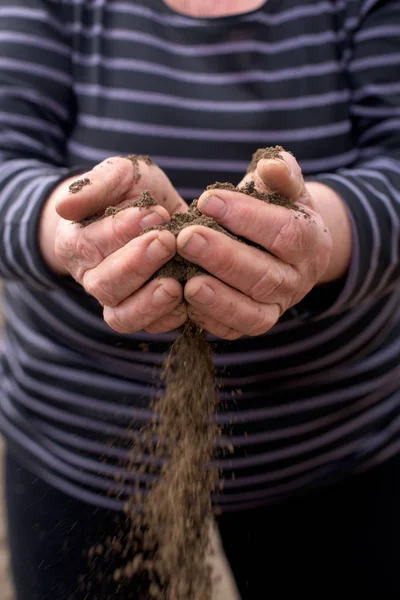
5	585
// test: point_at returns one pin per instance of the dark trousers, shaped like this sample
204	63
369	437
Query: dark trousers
341	541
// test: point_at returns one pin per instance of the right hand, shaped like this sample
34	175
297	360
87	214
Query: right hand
110	258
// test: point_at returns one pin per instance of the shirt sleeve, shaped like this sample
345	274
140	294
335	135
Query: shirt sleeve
370	188
37	113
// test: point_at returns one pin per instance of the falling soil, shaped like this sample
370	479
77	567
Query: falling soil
168	539
176	519
77	185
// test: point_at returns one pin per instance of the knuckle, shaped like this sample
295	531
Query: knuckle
246	217
222	330
89	283
288	235
88	251
225	312
114	163
226	265
107	161
227	333
118	171
272	283
63	252
159	327
114	320
124	166
98	286
65	249
76	252
124	174
118	233
264	323
65	246
166	324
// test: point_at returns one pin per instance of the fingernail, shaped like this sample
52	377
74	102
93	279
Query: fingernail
214	207
195	245
280	161
152	219
161	296
205	295
156	251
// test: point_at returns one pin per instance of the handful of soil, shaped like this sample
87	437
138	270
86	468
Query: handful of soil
175	523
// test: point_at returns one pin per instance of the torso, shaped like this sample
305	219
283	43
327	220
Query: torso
210	8
200	97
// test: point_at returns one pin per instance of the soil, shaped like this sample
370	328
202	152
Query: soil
144	201
178	267
77	185
175	525
271	152
183	270
135	158
168	541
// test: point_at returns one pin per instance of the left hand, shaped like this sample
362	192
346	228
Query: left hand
248	289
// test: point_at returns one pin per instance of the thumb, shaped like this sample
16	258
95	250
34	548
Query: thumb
116	181
282	175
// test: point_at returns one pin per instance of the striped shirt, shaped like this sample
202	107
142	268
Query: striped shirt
81	80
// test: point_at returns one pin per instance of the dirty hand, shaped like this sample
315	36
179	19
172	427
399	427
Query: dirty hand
109	257
248	289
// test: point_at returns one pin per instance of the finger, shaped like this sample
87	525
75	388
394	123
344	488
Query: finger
282	175
126	270
116	181
212	326
231	308
288	234
83	248
174	320
255	273
149	304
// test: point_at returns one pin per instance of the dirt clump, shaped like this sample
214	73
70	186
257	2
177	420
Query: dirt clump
77	185
135	158
271	153
178	267
144	201
182	269
177	509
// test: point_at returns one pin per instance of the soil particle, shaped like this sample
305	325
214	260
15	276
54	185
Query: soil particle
271	153
144	201
177	513
135	158
77	185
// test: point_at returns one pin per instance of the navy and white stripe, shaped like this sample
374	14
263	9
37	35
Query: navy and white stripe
81	80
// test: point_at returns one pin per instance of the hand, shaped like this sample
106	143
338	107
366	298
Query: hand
248	289
109	257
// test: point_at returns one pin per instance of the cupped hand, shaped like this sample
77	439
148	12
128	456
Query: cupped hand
249	288
109	257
